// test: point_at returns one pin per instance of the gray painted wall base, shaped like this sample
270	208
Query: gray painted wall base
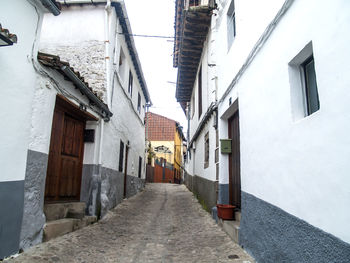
205	189
34	194
224	195
270	234
134	185
11	213
112	188
90	190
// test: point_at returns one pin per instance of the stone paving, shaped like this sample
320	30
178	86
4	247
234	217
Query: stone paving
163	223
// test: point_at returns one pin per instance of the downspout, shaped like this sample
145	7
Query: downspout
101	143
107	53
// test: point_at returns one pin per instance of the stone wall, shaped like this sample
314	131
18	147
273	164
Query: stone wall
34	194
87	57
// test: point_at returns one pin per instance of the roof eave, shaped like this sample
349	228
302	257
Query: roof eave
194	27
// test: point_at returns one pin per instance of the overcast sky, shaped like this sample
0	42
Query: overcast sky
156	17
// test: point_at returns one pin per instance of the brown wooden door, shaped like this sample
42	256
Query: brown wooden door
126	168
63	179
234	162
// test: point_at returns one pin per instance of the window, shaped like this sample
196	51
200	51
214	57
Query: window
311	93
206	150
122	65
303	83
194	2
130	83
121	156
231	24
193	106
139	102
140	166
200	92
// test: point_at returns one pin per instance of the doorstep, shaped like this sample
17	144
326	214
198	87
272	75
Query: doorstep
56	228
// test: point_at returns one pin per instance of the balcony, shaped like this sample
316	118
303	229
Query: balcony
192	22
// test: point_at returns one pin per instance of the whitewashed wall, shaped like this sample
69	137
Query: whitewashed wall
17	86
88	28
300	166
195	165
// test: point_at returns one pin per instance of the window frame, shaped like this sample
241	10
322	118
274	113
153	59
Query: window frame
206	150
130	83
231	24
307	88
139	102
299	99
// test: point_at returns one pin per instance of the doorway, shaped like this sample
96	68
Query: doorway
126	168
234	161
64	171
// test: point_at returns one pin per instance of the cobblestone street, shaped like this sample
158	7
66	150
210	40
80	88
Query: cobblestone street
164	223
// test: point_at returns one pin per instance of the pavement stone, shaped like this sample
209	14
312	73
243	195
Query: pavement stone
163	223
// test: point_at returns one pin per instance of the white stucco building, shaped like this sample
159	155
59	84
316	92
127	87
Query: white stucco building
78	133
281	74
20	22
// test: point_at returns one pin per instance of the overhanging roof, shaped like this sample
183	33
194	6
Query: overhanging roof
191	29
66	70
7	38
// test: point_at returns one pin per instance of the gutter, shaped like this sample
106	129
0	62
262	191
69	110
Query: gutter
51	6
86	91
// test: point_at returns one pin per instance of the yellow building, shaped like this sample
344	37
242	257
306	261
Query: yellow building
166	139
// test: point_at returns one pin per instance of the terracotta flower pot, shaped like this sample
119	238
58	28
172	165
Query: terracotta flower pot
226	212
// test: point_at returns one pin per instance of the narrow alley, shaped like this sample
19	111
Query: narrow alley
163	223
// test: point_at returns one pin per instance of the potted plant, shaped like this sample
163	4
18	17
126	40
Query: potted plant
226	212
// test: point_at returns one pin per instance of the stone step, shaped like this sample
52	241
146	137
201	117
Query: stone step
231	228
63	210
63	226
238	216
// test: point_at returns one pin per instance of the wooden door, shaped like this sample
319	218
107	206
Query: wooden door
126	168
63	179
234	162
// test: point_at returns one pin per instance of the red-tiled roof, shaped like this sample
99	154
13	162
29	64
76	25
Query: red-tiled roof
6	33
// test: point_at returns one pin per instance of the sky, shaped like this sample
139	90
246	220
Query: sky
156	18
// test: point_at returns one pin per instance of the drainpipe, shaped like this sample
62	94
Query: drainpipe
107	53
101	142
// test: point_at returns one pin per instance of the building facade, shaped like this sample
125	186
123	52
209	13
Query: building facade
165	138
196	92
286	127
20	22
84	118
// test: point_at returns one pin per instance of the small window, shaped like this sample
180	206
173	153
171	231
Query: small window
122	65
311	93
303	83
206	149
130	83
140	166
193	106
194	2
121	156
200	92
231	24
139	102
